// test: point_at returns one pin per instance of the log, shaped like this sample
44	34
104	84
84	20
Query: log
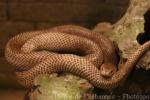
128	28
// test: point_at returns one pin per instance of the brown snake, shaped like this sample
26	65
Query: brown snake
71	49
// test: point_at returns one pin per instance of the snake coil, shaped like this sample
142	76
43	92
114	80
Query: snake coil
71	49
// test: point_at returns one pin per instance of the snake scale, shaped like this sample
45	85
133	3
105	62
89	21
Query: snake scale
69	48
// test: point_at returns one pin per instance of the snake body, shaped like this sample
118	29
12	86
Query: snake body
53	50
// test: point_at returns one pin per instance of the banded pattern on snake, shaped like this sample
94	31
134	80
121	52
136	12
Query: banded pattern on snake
69	48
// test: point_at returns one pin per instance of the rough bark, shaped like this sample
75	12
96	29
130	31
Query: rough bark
127	29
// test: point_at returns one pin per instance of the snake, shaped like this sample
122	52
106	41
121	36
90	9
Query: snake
69	48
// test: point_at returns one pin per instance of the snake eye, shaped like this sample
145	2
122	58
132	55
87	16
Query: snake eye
111	72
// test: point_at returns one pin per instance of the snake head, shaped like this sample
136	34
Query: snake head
107	70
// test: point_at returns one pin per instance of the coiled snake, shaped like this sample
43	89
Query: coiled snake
69	48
